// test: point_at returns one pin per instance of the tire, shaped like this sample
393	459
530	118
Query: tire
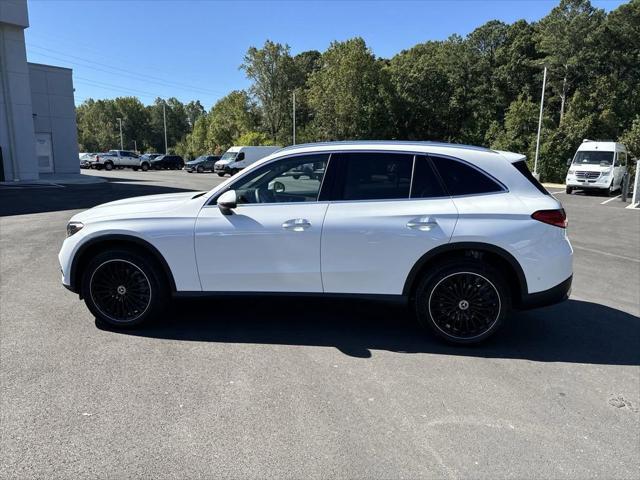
462	318
612	189
221	174
135	169
144	167
569	190
108	166
200	169
296	177
106	279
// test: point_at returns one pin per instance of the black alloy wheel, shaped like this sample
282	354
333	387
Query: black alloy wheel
123	288
463	302
120	290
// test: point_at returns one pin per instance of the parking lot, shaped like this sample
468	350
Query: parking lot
255	388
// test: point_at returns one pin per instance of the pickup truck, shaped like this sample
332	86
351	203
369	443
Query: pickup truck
120	159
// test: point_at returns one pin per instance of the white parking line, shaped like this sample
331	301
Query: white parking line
612	198
559	191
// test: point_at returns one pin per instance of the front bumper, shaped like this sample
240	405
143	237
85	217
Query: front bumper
595	184
554	295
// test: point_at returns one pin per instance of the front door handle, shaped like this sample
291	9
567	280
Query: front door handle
424	224
296	224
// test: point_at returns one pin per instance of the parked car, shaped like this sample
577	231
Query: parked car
202	164
86	159
116	159
597	166
167	162
237	158
462	234
146	159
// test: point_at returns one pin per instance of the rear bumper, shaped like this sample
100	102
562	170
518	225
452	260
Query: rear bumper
554	295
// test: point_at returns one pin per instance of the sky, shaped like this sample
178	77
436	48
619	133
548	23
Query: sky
193	49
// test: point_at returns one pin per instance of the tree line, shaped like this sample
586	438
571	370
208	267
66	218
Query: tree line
483	89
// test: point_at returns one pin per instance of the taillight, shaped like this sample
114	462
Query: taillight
557	218
97	158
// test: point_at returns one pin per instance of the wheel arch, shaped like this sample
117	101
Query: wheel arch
85	252
492	254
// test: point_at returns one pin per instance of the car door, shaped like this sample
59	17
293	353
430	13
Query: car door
388	210
271	241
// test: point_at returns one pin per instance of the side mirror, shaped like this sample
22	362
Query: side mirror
227	201
278	187
568	162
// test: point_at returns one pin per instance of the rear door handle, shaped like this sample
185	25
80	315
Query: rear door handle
423	224
296	224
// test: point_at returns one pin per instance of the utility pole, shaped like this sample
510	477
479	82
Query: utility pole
535	163
164	116
121	142
135	146
294	118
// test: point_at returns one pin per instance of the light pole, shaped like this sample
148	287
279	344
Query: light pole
135	146
535	162
121	142
294	118
164	116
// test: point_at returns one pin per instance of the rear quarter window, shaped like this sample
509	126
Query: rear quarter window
463	179
524	170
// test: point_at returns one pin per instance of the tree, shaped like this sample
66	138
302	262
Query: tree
346	93
564	37
272	71
229	118
194	110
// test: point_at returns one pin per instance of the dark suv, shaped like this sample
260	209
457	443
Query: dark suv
202	163
167	162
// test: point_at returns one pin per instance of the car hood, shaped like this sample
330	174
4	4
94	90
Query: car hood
223	162
135	207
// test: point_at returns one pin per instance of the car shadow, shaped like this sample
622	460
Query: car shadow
573	331
21	201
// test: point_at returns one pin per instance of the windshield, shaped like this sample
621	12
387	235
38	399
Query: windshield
593	158
229	155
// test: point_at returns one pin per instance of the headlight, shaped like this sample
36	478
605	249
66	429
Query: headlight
571	171
74	227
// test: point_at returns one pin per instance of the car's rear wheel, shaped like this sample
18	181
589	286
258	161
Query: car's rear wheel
123	288
108	166
463	302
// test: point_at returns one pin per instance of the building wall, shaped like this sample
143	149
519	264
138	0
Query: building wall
17	137
54	112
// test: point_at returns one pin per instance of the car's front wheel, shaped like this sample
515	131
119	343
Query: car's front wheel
463	302
124	288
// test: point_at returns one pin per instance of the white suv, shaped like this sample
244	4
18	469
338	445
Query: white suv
461	233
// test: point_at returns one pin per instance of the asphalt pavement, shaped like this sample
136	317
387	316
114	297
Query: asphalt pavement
258	388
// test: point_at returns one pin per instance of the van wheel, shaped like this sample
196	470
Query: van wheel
569	190
612	189
123	288
221	174
108	166
462	301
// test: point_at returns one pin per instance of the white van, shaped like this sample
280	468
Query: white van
237	158
597	166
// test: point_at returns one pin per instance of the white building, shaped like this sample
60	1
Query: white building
38	134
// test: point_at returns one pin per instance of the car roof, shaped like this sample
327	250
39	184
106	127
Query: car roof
468	152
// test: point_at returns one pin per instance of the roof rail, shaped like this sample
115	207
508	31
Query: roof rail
389	142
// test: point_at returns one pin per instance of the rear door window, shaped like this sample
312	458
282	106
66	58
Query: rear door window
375	176
425	182
463	179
